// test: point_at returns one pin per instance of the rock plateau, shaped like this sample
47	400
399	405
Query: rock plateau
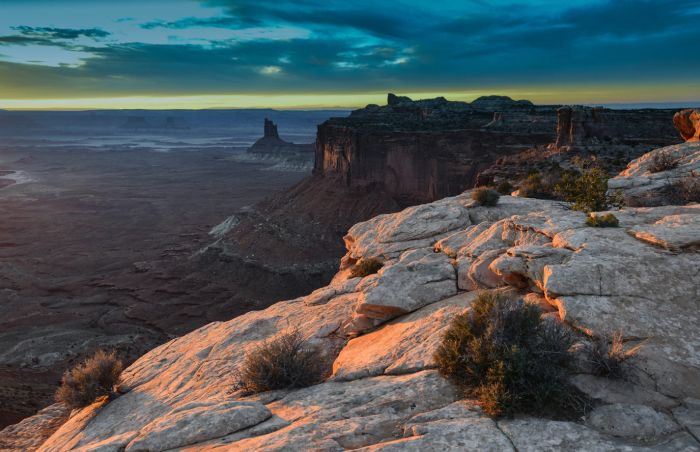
380	332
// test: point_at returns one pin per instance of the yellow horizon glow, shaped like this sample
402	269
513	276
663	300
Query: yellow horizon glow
538	95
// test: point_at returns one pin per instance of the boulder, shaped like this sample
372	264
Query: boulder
688	124
420	277
678	184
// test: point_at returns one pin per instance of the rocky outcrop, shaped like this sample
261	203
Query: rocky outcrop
598	127
420	151
676	180
688	124
280	154
381	331
612	137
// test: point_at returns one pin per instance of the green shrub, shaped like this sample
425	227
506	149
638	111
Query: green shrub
502	352
662	161
286	362
484	196
607	355
588	191
534	186
365	267
504	187
603	221
88	381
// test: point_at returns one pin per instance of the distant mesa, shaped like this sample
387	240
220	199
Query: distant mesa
272	144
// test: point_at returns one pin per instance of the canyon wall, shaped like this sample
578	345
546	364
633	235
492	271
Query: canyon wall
420	151
602	127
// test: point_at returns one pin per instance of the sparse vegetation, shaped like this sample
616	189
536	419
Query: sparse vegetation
662	161
686	190
285	362
365	267
88	381
588	191
607	355
534	186
485	196
504	187
603	221
505	354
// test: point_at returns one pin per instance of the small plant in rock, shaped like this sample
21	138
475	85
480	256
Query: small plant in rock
485	196
504	187
602	221
662	161
505	354
88	381
588	191
365	267
285	362
607	355
538	186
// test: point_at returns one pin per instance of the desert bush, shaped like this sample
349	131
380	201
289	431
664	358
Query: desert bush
485	196
505	354
662	161
88	381
588	191
607	355
686	189
504	187
365	267
603	221
285	362
535	187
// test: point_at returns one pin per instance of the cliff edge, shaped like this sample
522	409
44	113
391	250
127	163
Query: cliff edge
382	330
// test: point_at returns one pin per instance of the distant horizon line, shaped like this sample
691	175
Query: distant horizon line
619	105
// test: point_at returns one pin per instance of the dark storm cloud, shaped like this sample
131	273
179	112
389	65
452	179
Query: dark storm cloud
61	33
360	46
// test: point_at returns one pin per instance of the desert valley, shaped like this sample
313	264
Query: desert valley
228	225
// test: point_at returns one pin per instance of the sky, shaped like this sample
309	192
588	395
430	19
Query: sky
75	54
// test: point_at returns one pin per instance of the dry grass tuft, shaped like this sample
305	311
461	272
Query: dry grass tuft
88	381
365	267
286	362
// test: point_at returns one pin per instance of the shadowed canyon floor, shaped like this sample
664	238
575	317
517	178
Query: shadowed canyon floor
90	251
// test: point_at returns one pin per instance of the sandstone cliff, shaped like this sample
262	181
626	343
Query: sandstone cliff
612	137
419	151
381	332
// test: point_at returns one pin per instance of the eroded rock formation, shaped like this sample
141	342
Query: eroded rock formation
688	124
646	182
419	151
612	137
281	154
381	332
